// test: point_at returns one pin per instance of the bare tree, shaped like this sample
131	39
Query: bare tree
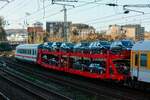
2	31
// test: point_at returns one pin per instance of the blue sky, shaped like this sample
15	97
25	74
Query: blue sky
95	14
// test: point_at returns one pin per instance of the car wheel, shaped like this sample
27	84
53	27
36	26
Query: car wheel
91	70
82	69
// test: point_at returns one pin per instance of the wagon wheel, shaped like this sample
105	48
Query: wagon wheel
91	70
82	69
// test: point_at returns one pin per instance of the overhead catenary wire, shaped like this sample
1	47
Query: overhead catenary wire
6	4
51	15
137	21
109	20
18	6
87	3
91	21
147	22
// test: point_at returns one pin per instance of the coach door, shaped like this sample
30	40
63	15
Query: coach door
135	63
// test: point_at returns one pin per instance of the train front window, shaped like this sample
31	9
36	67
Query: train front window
143	60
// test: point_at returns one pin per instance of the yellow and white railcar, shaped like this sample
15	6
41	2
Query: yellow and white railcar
140	61
27	52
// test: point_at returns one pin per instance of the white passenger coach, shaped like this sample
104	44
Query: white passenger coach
27	52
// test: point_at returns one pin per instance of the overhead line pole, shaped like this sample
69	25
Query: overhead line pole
65	24
65	30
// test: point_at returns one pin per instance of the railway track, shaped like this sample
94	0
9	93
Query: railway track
29	71
3	97
99	91
39	92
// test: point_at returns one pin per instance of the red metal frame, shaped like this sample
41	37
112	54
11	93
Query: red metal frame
108	57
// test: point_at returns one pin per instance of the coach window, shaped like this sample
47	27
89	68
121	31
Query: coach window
136	59
27	51
18	51
32	51
22	51
143	60
35	52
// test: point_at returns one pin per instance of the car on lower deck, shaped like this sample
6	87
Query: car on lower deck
96	68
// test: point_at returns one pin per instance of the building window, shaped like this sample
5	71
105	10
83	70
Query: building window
143	60
136	59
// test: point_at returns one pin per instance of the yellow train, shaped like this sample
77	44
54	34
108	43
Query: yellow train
140	61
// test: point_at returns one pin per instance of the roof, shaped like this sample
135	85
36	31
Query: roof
141	45
25	46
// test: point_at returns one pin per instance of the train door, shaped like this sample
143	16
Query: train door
135	65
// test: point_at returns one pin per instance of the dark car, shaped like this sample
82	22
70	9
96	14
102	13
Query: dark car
68	47
47	46
96	68
5	46
53	62
121	45
79	65
56	46
81	47
122	68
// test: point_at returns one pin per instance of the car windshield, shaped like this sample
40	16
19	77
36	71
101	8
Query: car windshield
94	65
58	43
127	43
49	43
85	44
70	44
104	43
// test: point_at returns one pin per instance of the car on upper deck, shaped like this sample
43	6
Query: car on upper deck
121	46
81	47
67	47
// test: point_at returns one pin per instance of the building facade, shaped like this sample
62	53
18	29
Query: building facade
135	31
147	36
82	29
35	33
17	35
56	28
131	31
